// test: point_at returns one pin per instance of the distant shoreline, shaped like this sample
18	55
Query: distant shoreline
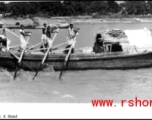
42	20
114	20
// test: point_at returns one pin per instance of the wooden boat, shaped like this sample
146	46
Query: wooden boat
80	61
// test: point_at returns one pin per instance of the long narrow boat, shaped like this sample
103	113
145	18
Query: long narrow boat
80	61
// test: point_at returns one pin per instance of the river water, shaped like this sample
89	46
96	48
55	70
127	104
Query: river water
77	86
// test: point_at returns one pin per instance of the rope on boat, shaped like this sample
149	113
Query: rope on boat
15	46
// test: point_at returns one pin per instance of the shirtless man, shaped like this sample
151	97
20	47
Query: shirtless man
44	38
48	35
3	40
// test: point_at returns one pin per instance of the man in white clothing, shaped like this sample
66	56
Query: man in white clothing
22	37
71	35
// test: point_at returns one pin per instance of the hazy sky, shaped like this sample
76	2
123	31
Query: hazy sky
22	1
119	2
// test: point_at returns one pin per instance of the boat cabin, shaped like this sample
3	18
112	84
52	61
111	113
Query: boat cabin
117	40
101	45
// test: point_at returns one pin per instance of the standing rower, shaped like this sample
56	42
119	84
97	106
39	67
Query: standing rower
3	40
71	34
22	37
48	34
44	38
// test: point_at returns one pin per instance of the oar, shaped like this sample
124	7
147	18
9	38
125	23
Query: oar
14	46
67	57
12	32
45	56
35	46
20	59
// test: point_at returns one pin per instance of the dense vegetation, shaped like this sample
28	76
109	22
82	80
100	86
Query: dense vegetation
75	8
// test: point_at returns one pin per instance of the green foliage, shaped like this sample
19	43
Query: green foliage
2	7
136	7
76	8
113	7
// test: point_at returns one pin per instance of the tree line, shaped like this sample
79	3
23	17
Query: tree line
75	8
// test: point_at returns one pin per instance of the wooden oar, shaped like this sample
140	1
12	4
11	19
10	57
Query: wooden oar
67	57
45	56
20	59
53	47
59	44
12	32
34	46
14	46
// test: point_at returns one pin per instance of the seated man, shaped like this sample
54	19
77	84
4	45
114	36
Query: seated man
98	45
105	46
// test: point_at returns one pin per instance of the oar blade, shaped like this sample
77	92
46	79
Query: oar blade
67	57
37	71
35	74
65	63
15	73
61	73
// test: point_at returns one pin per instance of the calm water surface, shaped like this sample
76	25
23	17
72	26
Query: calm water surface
78	86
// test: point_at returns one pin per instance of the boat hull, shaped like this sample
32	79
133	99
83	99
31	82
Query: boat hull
79	61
